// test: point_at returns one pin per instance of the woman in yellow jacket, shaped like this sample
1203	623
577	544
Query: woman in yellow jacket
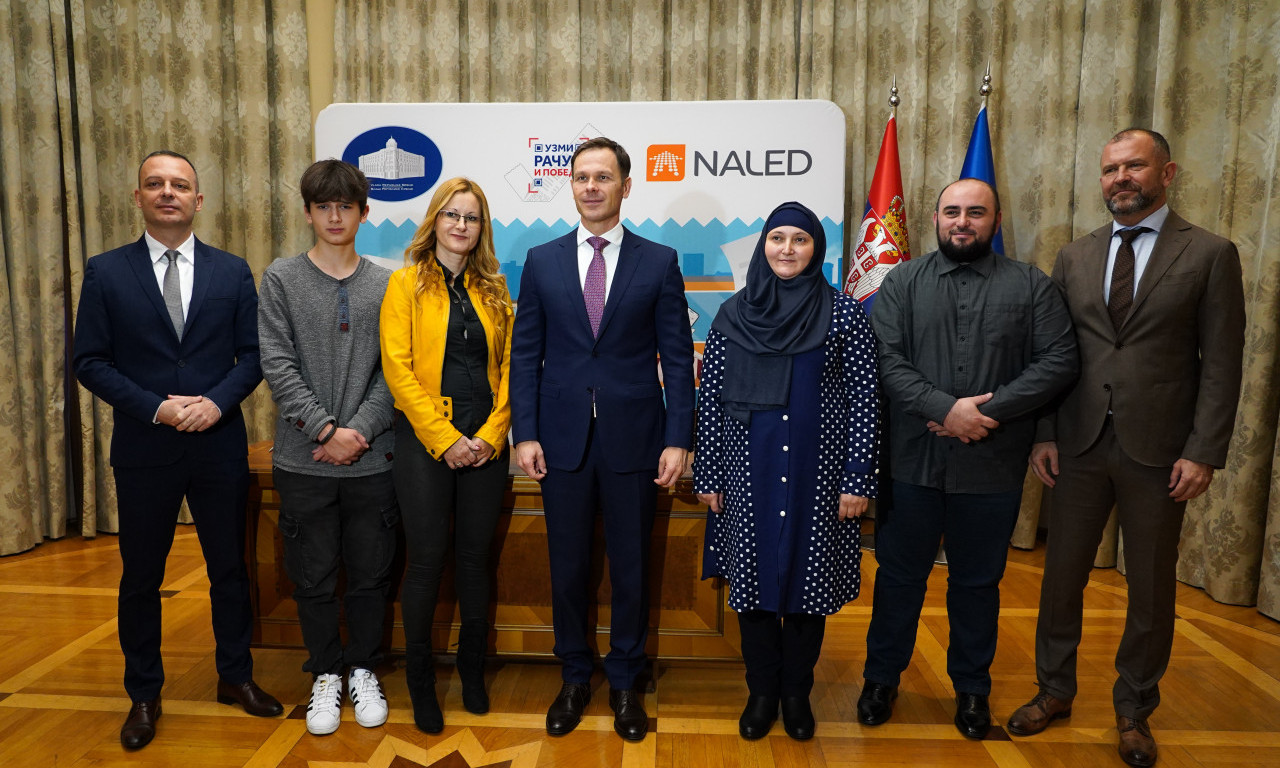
446	343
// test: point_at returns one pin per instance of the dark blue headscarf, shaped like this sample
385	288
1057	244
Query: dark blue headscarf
772	319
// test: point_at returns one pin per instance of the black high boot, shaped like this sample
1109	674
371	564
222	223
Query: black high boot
473	639
420	674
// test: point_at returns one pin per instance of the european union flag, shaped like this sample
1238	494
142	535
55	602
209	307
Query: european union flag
979	164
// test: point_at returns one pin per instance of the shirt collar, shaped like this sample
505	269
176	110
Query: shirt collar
450	275
982	265
1154	222
156	248
614	236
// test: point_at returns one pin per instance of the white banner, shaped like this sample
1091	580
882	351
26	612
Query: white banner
704	175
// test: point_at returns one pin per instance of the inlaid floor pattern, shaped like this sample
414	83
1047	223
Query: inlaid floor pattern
62	704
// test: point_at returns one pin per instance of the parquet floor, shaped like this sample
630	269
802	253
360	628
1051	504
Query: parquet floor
61	702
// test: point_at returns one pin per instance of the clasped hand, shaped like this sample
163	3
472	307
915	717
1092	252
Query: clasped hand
188	413
964	421
467	452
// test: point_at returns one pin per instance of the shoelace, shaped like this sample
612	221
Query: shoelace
1041	702
326	694
365	685
1132	724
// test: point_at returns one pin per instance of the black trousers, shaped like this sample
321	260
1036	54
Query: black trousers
148	500
975	529
433	499
780	652
326	522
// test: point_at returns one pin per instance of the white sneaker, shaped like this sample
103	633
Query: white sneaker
325	710
366	694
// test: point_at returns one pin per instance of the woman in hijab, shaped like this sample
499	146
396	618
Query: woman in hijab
785	461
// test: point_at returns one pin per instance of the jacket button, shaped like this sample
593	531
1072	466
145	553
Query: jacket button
1107	387
182	363
1119	345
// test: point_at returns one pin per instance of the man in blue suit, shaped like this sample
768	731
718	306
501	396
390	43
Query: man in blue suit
167	335
597	308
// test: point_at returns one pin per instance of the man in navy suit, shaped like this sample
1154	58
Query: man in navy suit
167	335
597	308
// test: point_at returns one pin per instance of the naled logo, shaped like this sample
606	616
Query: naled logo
665	162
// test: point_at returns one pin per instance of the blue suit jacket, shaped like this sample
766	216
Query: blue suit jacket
127	353
557	366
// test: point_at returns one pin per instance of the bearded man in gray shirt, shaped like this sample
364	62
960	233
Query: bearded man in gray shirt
318	334
972	346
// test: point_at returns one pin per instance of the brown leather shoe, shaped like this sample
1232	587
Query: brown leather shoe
1034	716
255	701
1137	747
140	727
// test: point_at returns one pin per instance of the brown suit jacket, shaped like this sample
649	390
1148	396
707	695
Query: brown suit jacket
1171	375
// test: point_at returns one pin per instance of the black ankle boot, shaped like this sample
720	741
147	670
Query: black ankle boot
473	639
420	674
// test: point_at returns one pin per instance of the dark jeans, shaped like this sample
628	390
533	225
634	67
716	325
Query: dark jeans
976	528
149	499
780	652
433	498
325	522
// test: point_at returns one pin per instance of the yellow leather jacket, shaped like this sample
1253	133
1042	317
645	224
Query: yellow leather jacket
413	329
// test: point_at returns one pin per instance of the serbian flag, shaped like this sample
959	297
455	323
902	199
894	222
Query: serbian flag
979	164
882	238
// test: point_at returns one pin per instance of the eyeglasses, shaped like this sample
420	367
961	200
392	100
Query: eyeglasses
454	216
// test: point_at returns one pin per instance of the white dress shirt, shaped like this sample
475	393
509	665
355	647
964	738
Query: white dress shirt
186	266
610	252
1142	245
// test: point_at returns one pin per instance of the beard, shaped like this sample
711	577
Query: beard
1139	202
963	254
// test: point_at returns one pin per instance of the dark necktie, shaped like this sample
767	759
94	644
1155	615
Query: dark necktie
173	292
1121	298
593	288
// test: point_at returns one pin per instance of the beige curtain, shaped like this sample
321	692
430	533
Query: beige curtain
1067	74
97	85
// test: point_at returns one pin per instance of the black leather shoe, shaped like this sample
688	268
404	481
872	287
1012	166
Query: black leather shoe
255	701
973	715
140	727
565	712
629	718
758	717
797	717
875	705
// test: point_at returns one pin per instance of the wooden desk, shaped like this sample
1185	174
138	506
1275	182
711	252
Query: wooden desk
687	619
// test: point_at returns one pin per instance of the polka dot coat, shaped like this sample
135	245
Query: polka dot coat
778	541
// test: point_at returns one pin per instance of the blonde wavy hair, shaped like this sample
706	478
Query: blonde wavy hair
482	261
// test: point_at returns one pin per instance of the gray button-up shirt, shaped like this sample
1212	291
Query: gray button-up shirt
949	330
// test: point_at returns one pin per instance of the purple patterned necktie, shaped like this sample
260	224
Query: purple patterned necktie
593	288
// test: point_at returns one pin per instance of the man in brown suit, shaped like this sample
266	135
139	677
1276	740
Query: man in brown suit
1159	317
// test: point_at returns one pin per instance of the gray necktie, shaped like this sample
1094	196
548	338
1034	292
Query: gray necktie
173	292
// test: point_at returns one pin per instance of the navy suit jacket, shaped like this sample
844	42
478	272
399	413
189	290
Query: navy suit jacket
127	353
557	366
